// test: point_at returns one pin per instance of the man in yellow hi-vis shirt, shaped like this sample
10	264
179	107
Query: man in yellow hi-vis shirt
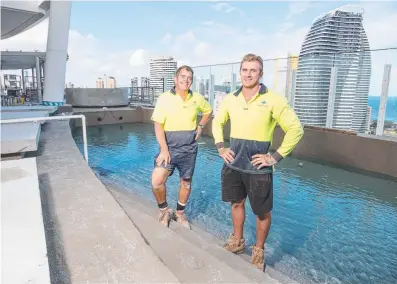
175	124
253	111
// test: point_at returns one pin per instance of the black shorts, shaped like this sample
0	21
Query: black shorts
184	163
259	188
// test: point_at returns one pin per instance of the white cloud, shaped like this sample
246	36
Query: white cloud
139	58
202	49
186	37
227	8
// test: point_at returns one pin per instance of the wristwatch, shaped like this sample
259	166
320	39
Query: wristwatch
201	126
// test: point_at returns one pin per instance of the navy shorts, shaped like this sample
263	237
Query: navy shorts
183	162
236	186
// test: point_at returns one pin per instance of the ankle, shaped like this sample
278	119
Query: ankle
163	206
238	237
180	206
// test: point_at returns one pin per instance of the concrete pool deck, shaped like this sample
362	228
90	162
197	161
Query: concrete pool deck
89	236
95	235
24	252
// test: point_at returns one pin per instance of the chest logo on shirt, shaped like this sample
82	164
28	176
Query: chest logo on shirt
262	103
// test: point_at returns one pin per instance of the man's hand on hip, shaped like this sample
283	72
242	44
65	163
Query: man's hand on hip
227	154
199	130
263	160
165	157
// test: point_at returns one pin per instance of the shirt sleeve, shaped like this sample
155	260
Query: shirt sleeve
290	124
159	112
219	121
204	106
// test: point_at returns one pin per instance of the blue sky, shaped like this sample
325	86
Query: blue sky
119	38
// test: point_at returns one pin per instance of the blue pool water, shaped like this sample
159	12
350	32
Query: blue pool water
329	225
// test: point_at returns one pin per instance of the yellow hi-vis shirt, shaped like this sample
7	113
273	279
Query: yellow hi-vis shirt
252	127
179	118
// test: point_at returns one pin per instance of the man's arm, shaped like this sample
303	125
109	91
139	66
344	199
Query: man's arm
220	119
159	118
206	111
160	136
290	124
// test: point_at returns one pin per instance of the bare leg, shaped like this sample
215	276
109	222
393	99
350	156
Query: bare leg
184	190
238	218
159	178
262	229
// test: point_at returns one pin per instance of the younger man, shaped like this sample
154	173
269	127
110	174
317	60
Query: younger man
253	111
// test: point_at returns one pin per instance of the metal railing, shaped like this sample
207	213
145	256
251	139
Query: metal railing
61	117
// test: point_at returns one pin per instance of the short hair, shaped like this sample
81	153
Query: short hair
252	57
187	68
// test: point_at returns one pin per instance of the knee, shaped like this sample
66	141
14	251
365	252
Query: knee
238	204
186	184
157	182
265	216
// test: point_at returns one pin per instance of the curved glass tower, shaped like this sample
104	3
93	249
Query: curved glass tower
334	72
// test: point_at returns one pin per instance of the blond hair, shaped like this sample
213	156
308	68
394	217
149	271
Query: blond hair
252	57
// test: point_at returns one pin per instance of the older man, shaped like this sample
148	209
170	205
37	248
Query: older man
175	124
253	111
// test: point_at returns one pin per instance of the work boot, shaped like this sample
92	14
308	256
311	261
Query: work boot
258	258
164	216
234	245
180	217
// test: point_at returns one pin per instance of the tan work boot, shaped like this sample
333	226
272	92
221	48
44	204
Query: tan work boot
234	245
258	258
180	217
164	216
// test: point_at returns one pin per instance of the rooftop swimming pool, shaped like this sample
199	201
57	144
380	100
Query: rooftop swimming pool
329	225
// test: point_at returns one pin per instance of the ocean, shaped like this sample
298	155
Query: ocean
391	108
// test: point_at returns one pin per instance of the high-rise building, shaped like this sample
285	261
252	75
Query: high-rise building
145	82
162	72
111	83
219	96
334	72
100	83
134	87
292	64
145	87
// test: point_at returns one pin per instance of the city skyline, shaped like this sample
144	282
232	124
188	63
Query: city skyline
220	32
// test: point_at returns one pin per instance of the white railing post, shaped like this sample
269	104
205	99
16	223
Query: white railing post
61	117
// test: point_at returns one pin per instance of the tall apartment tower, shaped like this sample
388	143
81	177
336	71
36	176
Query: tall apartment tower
134	87
292	64
334	72
111	83
162	71
100	84
145	87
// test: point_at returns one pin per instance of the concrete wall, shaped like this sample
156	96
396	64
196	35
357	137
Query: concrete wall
93	97
109	116
341	148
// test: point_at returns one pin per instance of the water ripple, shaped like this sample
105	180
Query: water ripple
329	225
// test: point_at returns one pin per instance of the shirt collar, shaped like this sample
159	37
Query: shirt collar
262	90
190	92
